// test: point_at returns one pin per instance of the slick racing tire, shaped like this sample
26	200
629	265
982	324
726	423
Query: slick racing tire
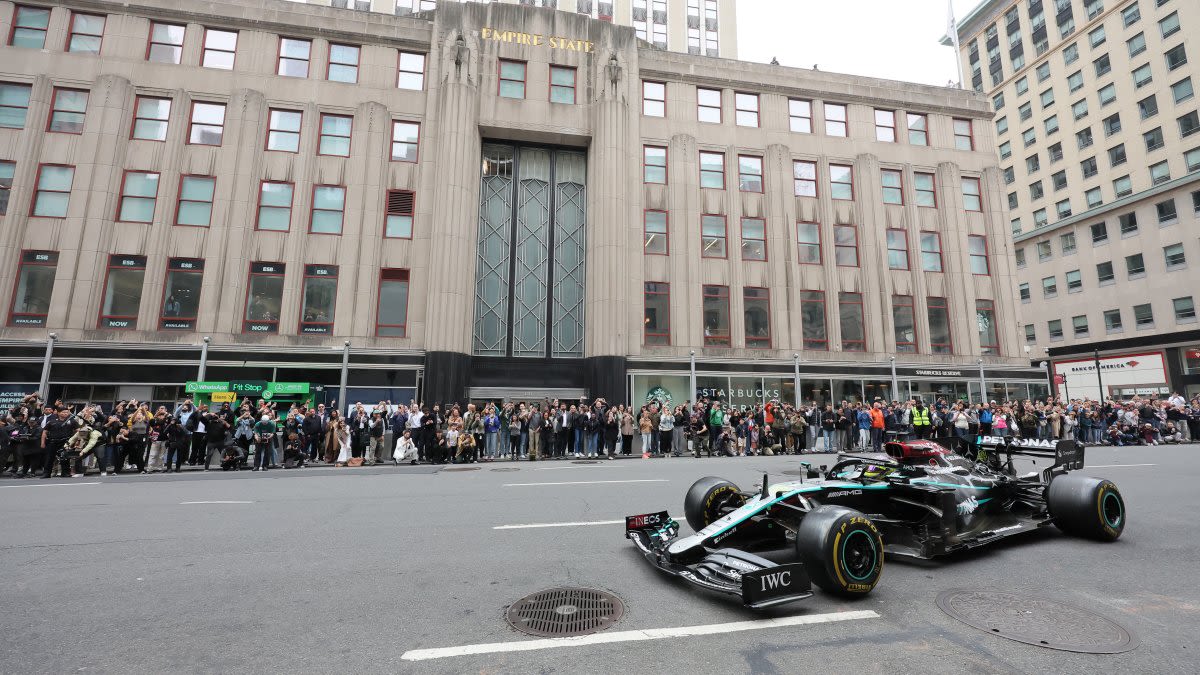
1086	507
841	549
706	500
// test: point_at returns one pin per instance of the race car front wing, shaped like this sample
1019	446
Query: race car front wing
759	582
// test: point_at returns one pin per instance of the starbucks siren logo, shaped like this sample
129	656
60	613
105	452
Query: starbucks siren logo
659	394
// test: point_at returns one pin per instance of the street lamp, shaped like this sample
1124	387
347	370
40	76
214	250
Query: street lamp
982	382
692	376
895	383
345	371
44	385
203	358
796	379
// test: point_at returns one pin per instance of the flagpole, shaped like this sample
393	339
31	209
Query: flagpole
952	31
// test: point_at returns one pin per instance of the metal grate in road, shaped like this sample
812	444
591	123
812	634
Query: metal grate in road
565	612
1038	622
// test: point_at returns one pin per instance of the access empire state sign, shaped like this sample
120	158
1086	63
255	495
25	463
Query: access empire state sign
535	39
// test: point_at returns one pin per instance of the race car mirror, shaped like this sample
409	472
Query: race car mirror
647	521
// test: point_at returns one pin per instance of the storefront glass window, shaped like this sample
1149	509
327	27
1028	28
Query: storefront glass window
847	390
877	389
814	390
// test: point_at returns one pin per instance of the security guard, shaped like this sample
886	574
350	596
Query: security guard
920	420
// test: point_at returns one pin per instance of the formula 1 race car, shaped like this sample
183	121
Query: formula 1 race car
917	499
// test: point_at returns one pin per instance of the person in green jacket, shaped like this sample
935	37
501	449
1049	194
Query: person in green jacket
264	436
716	422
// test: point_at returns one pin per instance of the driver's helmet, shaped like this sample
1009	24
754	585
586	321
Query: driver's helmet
875	471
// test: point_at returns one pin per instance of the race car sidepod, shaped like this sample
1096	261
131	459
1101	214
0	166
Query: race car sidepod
759	582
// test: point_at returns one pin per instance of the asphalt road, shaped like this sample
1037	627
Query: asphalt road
348	570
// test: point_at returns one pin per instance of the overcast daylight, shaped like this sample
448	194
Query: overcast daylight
894	39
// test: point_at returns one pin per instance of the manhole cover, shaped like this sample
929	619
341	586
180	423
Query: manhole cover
1038	622
586	461
461	468
563	612
506	468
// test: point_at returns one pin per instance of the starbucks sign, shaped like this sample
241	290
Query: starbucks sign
660	395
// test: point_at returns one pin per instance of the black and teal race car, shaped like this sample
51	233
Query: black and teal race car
916	499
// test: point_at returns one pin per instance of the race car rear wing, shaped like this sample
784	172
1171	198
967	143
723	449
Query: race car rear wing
1067	454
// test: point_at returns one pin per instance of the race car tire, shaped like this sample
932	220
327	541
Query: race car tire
1086	507
703	502
841	549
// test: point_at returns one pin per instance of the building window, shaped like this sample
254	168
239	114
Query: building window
1096	37
391	318
343	63
328	209
808	239
1176	57
654	99
1063	208
1079	326
1131	15
1044	251
1075	81
1135	266
716	316
335	135
1079	109
283	130
29	27
804	178
893	187
812	320
264	298
1174	256
293	57
835	119
656	301
1154	139
181	294
512	79
195	201
712	170
1055	329
845	246
274	206
931	252
938	311
885	126
68	110
1123	186
756	313
411	72
712	236
1067	243
53	193
1059	180
905	324
1112	321
220	48
918	128
800	116
977	246
1074	281
964	138
87	32
398	221
1143	315
1136	44
1002	125
1039	218
319	294
750	173
989	336
746	109
897	245
1160	172
14	104
1142	76
405	141
207	125
1030	333
165	44
1191	160
754	239
7	171
1167	213
1023	292
1051	125
708	105
971	194
926	189
656	228
654	164
850	311
1050	287
562	85
35	285
1185	309
139	193
122	293
841	182
1104	273
1169	25
150	118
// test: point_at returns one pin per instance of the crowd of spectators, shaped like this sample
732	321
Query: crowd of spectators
40	438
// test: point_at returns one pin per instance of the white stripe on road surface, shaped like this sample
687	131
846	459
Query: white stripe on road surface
591	482
216	502
533	525
633	635
49	485
584	466
1113	466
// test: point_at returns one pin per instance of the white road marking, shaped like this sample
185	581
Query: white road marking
533	525
216	502
1113	466
591	482
582	466
633	635
49	485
